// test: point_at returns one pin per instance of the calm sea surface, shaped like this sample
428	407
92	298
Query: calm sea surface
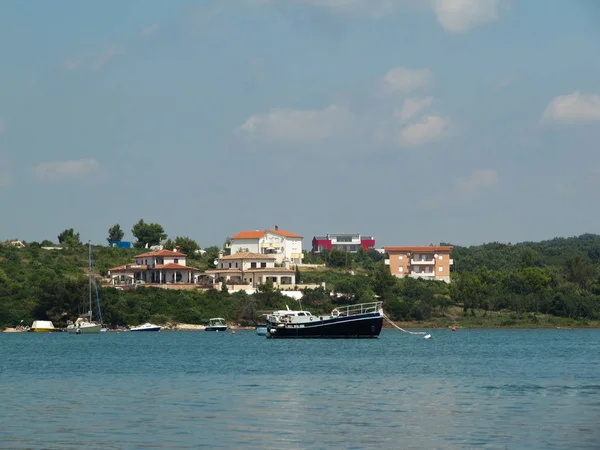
514	389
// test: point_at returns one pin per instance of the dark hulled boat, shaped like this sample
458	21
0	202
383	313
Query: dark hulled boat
363	320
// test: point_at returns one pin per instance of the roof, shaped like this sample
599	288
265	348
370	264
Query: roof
135	267
160	253
424	249
257	234
247	255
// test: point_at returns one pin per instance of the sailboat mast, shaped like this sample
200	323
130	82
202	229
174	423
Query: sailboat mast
90	276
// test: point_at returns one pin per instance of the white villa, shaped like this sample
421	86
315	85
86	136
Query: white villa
284	246
159	267
251	269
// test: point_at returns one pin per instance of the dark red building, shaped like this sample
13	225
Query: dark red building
343	241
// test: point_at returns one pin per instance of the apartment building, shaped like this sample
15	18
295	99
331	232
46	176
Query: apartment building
429	262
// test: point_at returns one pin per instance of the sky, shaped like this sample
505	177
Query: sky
415	121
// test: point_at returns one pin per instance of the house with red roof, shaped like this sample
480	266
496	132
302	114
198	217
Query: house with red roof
284	246
156	267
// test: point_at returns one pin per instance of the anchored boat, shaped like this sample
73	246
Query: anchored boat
216	324
363	320
146	327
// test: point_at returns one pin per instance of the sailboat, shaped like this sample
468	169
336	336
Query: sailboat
84	323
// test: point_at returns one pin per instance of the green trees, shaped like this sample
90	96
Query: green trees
69	238
148	234
186	245
115	234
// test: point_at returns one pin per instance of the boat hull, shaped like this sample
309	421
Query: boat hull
216	328
153	329
91	329
365	326
43	330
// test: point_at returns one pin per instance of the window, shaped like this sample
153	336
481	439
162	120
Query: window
221	265
400	269
253	265
440	257
263	265
176	261
230	265
236	265
440	269
400	257
344	239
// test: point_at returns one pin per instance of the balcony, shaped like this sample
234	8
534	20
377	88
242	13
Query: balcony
270	245
420	262
422	274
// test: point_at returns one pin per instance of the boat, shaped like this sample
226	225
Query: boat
216	324
84	323
363	320
42	326
261	330
146	327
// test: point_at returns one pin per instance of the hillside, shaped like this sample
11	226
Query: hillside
546	283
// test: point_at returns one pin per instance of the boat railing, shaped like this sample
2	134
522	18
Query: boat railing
353	310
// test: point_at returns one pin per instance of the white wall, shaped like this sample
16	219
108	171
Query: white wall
250	244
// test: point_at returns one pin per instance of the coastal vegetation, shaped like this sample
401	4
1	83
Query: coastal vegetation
529	284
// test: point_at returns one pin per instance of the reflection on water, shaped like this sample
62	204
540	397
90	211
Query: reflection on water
470	389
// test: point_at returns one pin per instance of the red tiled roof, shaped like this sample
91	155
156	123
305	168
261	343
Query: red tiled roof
423	249
249	235
160	253
257	234
248	255
285	233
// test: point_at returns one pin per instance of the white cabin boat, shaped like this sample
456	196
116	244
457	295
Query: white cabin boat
146	327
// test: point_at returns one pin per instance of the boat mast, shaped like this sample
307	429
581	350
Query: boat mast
90	276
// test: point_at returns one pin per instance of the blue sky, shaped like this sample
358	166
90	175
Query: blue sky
462	121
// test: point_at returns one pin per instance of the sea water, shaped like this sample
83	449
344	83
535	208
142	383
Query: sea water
515	389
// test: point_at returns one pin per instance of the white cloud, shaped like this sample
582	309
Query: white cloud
295	125
573	108
150	29
479	180
109	53
65	170
95	62
463	189
413	106
455	16
429	129
402	79
458	16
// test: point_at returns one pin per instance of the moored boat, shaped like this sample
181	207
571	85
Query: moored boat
363	320
216	324
146	327
84	323
42	326
261	330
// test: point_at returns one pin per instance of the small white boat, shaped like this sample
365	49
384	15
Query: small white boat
261	330
146	327
216	324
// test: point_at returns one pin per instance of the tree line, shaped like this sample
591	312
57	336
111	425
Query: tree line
559	277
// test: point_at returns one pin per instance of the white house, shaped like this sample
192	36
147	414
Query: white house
161	266
251	268
283	245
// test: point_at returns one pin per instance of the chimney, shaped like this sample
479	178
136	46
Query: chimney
276	227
